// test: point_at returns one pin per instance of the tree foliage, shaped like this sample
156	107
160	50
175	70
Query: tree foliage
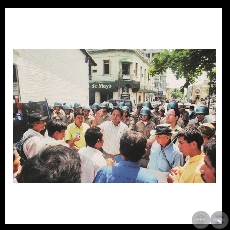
188	64
176	94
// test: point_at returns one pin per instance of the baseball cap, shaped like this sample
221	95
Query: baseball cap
207	129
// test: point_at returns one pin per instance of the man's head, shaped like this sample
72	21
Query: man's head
52	164
56	129
145	114
132	146
116	115
163	134
57	105
208	169
78	117
190	141
201	111
86	110
37	121
172	116
207	130
67	109
94	137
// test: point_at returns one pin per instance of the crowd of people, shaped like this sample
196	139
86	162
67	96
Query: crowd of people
97	144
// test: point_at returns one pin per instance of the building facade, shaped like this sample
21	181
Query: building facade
122	74
52	74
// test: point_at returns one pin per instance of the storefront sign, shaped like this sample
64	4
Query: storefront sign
125	96
101	86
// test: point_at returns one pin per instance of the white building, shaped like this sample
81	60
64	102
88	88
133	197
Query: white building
52	74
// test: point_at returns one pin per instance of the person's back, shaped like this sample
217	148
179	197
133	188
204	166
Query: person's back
132	149
91	157
53	164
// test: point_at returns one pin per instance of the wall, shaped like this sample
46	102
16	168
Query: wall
54	74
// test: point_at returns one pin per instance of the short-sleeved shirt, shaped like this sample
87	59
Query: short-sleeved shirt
124	172
112	135
91	161
72	129
145	129
157	160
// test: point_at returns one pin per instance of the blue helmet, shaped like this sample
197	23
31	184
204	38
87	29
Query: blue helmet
202	110
121	104
95	106
76	105
172	105
126	108
67	106
57	103
145	111
103	105
86	108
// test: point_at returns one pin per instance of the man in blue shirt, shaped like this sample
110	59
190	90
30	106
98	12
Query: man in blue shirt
164	154
132	149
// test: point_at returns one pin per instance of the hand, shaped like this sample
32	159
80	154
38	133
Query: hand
109	162
172	177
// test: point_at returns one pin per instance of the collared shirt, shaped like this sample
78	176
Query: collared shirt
68	119
29	146
157	160
49	140
112	135
107	117
72	129
124	172
190	172
145	129
91	161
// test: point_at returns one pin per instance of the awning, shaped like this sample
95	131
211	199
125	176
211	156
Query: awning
126	60
130	84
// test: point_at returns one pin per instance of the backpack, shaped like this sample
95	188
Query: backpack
19	147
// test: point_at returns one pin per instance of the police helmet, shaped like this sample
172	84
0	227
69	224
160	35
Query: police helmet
103	105
202	110
145	111
57	103
172	105
95	106
147	104
125	108
76	105
86	108
67	106
121	104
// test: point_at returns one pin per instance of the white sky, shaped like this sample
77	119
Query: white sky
92	28
174	83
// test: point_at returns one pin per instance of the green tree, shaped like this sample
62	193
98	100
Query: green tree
176	94
188	64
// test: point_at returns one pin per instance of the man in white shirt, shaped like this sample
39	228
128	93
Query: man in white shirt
112	131
91	157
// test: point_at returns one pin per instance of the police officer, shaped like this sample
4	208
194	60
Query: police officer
144	126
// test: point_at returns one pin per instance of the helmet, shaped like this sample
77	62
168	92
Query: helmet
57	103
172	105
121	104
76	105
145	111
103	105
67	106
147	104
202	109
86	108
126	108
95	106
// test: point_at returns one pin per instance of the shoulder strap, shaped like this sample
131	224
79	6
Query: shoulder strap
162	149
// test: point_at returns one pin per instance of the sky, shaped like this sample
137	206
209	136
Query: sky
174	83
117	28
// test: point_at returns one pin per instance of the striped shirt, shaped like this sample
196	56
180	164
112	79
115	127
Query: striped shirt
112	135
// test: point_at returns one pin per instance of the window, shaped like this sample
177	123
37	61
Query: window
136	69
125	68
15	73
106	66
94	71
